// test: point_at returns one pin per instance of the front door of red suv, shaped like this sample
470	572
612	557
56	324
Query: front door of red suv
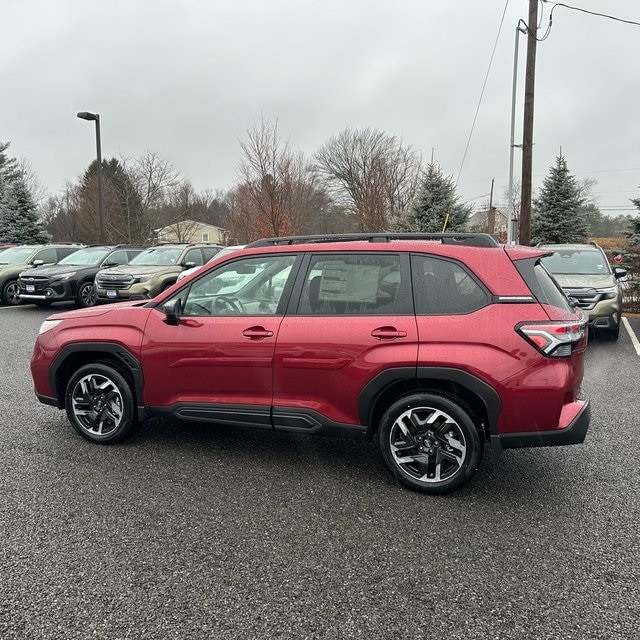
353	319
216	363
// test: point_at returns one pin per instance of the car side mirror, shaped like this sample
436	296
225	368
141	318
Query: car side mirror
172	311
189	265
37	263
619	272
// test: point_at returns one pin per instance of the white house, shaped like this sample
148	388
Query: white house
191	231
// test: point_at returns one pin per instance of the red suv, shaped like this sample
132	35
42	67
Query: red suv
432	344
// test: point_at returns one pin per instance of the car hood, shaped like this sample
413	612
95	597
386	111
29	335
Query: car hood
9	269
54	270
135	270
100	310
576	281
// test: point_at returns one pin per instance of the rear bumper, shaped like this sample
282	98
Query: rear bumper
574	433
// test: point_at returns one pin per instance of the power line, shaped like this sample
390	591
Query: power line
593	13
484	85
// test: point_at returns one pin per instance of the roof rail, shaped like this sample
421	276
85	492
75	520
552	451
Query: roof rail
468	239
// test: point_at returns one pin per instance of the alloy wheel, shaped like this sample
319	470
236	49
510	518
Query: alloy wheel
427	445
88	296
97	404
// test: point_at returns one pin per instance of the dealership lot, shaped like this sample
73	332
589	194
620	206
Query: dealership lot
194	531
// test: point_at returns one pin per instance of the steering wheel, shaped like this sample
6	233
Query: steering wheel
224	304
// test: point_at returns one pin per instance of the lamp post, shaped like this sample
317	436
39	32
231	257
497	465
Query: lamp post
86	115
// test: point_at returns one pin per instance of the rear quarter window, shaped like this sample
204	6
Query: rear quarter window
542	284
445	287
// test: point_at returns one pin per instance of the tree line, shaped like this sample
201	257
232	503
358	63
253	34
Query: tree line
359	180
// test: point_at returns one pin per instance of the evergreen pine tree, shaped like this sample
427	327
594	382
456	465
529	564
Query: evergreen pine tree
631	261
9	170
19	221
559	214
435	199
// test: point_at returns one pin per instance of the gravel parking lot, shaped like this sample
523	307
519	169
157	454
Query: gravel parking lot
194	531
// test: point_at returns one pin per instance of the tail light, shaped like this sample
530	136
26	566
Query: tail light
555	339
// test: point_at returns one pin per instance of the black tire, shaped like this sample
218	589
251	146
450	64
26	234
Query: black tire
430	442
11	293
611	334
100	404
86	295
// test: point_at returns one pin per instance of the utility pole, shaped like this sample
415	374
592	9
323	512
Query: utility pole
527	129
491	216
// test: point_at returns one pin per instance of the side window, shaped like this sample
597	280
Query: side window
48	256
194	255
209	252
118	257
353	284
248	287
443	287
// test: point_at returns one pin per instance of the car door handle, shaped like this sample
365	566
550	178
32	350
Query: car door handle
388	333
257	333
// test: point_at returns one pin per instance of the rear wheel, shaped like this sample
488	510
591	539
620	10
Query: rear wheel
100	404
86	296
430	442
11	293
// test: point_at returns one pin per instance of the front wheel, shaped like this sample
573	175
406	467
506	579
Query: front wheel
100	404
11	293
87	296
430	442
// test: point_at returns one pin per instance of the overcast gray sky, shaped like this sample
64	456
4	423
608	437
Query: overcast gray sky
187	78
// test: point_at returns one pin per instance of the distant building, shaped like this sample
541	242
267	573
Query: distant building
479	222
191	231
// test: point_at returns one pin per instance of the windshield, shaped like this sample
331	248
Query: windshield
577	262
17	255
158	257
92	256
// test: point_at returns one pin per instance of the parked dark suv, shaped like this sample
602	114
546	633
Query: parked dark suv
151	272
432	344
27	256
72	278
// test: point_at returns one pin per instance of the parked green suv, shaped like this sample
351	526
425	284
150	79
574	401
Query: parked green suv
17	259
151	271
585	275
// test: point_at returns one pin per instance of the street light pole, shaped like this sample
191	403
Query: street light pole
86	115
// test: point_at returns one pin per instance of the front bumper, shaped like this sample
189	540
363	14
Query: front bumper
574	433
136	291
52	292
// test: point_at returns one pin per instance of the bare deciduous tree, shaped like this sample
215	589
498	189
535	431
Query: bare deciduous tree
278	193
371	173
152	181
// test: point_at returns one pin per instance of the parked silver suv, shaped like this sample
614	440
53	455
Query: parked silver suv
585	275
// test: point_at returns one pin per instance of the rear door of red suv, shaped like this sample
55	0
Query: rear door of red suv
352	316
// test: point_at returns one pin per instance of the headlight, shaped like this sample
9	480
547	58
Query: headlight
65	276
609	294
47	325
143	277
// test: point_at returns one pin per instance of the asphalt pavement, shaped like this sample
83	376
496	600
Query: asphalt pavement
198	531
